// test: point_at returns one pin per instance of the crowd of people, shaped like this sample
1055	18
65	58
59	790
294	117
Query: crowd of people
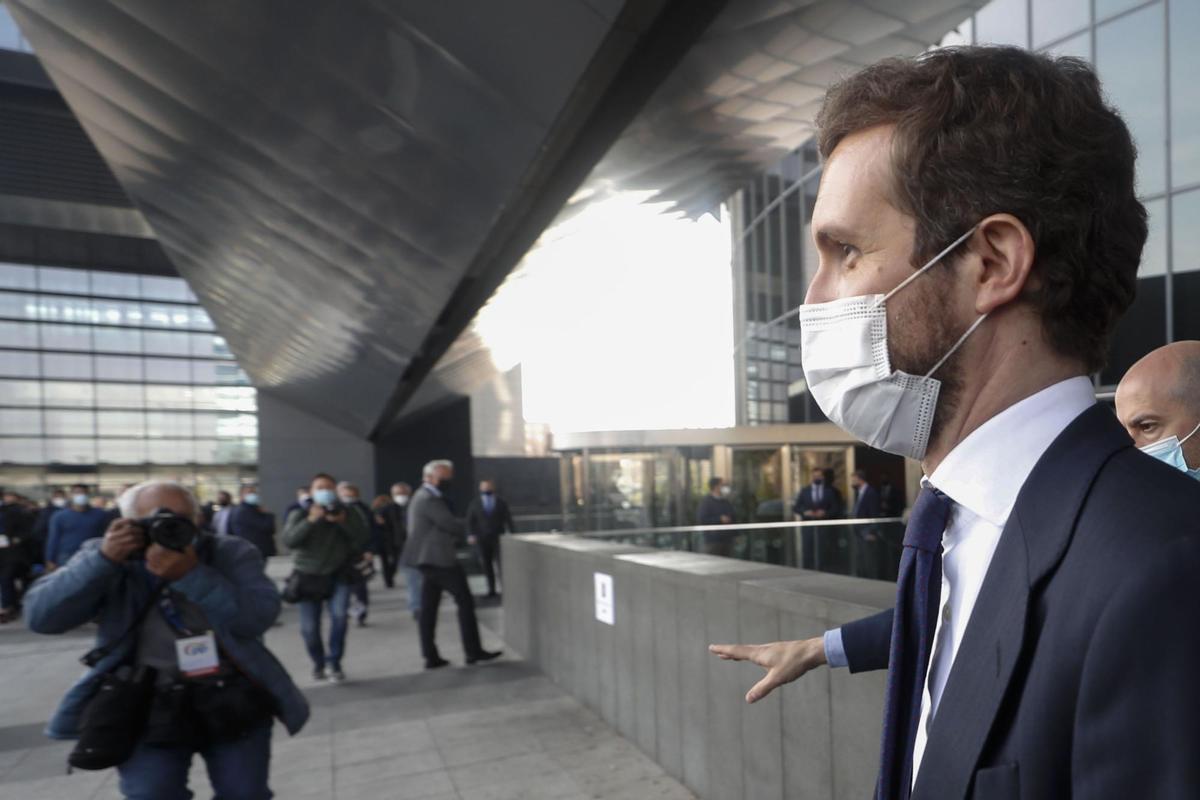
181	599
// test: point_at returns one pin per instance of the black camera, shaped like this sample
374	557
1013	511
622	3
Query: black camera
334	508
168	529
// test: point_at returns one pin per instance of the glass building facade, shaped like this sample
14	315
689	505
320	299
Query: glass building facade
1145	55
109	378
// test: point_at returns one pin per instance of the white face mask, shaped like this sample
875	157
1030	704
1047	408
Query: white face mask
79	499
843	347
726	491
400	499
1170	451
59	502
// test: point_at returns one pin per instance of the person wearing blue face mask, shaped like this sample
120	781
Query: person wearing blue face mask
249	521
1158	402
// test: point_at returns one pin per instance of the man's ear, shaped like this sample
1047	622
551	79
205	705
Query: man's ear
1006	250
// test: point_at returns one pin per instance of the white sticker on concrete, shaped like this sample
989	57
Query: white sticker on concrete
604	599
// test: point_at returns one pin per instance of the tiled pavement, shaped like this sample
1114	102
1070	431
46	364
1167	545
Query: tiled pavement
494	732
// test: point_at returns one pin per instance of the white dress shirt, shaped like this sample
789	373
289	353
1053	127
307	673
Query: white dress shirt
983	476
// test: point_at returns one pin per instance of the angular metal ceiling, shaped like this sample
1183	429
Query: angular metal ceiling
344	185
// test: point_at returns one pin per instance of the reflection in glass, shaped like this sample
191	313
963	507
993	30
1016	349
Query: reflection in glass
19	422
118	312
17	364
70	423
21	393
1185	99
64	393
1129	60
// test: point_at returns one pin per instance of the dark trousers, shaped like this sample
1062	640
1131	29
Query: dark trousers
390	560
436	580
488	550
12	573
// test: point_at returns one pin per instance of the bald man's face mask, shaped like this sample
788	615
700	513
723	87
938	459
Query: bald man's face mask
1170	451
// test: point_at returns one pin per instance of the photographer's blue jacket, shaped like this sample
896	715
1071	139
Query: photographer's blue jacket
239	601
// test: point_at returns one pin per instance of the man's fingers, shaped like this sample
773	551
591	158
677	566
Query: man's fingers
733	652
763	687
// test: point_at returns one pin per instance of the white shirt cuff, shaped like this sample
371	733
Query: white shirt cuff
835	652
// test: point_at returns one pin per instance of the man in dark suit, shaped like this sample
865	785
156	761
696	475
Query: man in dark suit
488	518
1058	656
433	531
891	498
248	520
820	500
866	497
716	509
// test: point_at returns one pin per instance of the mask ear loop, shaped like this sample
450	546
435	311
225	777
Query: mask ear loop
1190	435
959	344
927	266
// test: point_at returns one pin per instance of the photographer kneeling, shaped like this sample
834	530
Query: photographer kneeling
179	666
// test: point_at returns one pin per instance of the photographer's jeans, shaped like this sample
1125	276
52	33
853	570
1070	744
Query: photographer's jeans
310	627
238	770
412	577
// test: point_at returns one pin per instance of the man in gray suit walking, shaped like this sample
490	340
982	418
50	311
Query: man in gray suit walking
432	532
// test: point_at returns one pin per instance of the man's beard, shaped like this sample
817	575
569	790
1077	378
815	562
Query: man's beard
921	332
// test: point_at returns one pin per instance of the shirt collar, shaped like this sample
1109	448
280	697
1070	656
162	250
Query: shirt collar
436	492
986	471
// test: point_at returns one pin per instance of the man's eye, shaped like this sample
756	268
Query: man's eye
1148	427
848	250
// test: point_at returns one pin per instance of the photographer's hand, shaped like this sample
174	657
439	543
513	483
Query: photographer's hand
316	512
123	538
170	565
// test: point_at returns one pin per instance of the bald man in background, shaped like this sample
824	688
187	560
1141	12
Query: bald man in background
1158	402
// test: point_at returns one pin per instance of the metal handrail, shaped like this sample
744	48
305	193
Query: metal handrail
743	526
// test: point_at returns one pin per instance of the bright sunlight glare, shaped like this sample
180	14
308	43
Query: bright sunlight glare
622	319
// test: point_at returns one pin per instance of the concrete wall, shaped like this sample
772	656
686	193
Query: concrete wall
651	677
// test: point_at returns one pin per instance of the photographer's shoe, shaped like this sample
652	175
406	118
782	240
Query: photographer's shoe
336	675
319	674
483	655
436	663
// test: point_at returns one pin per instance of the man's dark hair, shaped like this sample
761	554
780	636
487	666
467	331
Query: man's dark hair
320	475
861	474
75	486
987	130
714	483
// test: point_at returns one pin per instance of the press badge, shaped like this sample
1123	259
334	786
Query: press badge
197	655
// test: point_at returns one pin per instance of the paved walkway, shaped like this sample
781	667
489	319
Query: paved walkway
392	731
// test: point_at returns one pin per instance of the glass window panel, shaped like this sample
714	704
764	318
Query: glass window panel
118	312
19	334
71	451
170	451
116	340
1106	8
158	316
17	305
70	423
206	344
168	423
116	284
118	368
210	451
1185	99
20	393
169	396
156	288
16	276
1129	61
226	398
121	451
1054	19
65	393
16	364
1003	22
200	319
22	451
121	423
236	426
57	365
167	343
120	395
66	281
1154	255
205	424
1078	46
20	422
168	370
1185	249
66	337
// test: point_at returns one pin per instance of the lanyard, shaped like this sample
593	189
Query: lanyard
171	614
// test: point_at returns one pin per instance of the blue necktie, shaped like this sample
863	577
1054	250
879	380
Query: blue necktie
918	595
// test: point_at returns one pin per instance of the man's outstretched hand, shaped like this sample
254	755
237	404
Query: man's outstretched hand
783	661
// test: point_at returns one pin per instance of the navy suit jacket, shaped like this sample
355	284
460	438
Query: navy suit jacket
867	503
1076	676
831	501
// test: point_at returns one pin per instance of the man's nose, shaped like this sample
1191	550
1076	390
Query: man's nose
820	290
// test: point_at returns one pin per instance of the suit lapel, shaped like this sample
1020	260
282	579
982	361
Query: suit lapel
1033	542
